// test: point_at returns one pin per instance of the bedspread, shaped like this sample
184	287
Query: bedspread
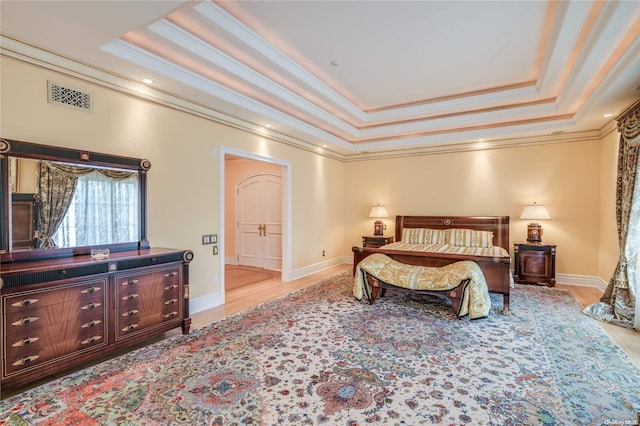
475	301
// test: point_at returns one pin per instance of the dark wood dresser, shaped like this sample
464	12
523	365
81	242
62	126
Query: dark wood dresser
59	313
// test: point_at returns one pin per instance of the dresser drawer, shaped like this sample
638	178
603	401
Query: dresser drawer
27	300
146	314
34	347
160	283
71	310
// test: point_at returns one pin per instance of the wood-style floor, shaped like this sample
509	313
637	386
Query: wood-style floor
244	297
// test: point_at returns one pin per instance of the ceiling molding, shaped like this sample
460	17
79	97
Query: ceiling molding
242	64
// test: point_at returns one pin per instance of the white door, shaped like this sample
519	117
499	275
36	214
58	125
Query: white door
259	221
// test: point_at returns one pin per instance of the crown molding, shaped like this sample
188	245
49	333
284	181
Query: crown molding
23	52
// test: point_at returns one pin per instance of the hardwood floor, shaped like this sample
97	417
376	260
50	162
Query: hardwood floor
242	298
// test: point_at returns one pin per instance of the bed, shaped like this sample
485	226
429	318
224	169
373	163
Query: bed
493	258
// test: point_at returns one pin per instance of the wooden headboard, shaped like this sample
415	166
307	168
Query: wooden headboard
499	225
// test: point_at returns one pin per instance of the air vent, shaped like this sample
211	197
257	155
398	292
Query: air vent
66	96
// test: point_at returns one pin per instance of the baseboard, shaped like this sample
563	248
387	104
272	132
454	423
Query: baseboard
312	269
203	303
230	260
581	280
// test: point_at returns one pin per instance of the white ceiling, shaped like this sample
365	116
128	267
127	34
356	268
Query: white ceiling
362	78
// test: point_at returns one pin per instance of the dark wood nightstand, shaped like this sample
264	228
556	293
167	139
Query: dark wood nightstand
376	241
535	263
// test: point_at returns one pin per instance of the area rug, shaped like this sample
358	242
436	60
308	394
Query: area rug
319	357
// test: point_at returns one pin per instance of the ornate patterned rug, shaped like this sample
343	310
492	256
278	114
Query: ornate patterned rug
321	357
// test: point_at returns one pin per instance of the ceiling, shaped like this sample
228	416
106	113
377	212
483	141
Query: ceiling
354	79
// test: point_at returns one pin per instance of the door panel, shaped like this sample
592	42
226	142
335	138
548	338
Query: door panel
259	221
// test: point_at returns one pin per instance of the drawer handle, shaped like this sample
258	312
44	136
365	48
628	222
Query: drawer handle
170	301
130	313
171	314
90	324
130	327
25	302
26	360
91	306
130	282
26	321
90	290
171	274
130	296
91	340
171	287
25	342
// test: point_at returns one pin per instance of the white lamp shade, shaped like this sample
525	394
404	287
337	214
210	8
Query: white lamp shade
378	211
535	212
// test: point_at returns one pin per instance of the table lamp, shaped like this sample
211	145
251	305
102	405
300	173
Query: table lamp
534	212
378	212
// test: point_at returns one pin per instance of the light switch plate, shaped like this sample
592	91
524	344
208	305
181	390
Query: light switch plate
215	250
206	239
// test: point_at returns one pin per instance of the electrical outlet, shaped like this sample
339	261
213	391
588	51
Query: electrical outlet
322	253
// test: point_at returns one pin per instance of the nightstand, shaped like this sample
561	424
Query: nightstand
376	241
535	263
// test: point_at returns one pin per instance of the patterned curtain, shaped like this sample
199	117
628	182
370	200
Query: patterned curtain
57	183
104	210
619	304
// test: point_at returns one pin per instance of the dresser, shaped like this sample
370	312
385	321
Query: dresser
59	313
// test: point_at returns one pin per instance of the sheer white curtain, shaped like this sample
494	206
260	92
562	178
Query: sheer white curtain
103	211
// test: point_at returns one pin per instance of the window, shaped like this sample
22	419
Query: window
101	212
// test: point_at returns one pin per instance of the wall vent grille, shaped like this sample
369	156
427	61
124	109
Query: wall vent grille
60	95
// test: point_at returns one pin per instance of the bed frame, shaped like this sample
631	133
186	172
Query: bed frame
495	269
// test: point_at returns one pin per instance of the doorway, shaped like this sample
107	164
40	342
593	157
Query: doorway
248	181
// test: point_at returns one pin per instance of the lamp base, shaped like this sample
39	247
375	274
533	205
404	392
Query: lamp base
534	233
378	228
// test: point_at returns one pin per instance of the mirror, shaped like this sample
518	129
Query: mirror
59	201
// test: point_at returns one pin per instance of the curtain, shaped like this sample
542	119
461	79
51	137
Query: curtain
57	183
104	210
58	186
619	304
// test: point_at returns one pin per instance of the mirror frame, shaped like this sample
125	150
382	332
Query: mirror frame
14	148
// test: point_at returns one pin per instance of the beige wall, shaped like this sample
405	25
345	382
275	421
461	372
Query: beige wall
564	177
330	199
183	183
609	249
236	170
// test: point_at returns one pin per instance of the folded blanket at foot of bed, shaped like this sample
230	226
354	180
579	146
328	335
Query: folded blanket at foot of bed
465	277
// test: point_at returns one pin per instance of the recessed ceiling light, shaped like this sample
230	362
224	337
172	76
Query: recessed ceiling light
607	115
480	140
324	146
147	81
267	125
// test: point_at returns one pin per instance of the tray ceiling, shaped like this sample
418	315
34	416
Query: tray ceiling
354	78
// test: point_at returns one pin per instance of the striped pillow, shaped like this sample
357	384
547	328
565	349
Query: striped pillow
435	236
424	236
470	238
413	235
